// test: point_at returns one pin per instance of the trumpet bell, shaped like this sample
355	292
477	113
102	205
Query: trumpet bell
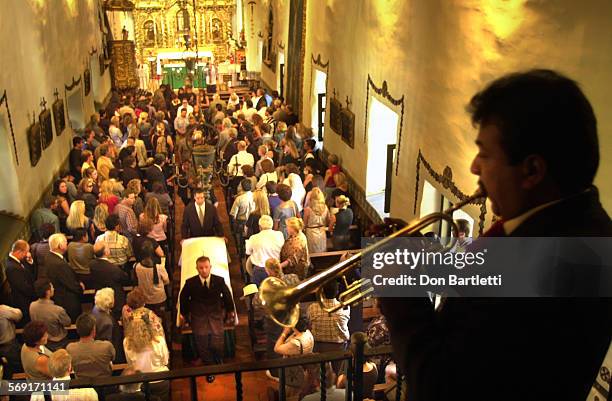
275	296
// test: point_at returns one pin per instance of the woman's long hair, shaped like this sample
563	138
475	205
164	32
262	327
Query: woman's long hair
152	210
317	201
100	215
76	218
262	204
139	334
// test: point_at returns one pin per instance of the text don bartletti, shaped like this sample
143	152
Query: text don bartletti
427	280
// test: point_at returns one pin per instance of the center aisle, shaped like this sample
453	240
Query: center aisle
223	388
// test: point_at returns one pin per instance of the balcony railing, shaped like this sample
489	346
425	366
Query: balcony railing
354	357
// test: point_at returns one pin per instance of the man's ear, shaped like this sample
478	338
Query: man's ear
534	169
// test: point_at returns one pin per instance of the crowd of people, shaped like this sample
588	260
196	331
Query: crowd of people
106	225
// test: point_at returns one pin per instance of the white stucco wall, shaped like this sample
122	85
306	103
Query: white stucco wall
44	43
438	53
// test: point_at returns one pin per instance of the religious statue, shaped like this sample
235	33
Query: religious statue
124	33
217	35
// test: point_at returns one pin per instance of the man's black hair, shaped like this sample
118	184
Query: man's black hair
76	140
85	324
79	233
112	221
545	113
41	286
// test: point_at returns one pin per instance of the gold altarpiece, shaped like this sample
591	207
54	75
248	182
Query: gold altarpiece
162	26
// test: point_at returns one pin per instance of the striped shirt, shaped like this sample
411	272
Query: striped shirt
119	247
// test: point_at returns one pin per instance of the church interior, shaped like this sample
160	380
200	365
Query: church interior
271	137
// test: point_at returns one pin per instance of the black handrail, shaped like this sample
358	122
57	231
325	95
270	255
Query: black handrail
355	359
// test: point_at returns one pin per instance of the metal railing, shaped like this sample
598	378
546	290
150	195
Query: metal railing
355	358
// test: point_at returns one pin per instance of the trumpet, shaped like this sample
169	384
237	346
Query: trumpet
282	302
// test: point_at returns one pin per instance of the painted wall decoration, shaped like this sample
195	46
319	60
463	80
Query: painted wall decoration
46	128
59	114
87	81
295	53
384	92
34	143
335	122
446	180
347	119
4	101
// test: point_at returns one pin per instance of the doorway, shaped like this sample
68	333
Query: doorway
280	84
319	89
382	140
74	102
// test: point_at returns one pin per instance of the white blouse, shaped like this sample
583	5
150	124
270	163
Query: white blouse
153	359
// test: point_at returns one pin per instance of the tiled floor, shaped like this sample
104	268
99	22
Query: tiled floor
254	384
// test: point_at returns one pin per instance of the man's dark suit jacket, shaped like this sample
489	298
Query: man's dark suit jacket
206	307
75	163
21	281
130	173
153	173
106	274
68	291
508	349
191	226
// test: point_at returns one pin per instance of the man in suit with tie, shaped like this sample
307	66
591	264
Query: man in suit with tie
155	173
20	276
68	289
538	156
200	218
206	303
105	274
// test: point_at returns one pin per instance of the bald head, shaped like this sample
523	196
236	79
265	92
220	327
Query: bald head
20	249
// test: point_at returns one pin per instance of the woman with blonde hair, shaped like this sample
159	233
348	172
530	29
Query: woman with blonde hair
341	227
294	255
99	219
146	350
290	153
77	219
152	212
262	208
317	218
107	196
114	131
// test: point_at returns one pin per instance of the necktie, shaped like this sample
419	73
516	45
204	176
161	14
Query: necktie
200	215
496	230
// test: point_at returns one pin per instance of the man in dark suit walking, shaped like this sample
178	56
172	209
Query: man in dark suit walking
104	273
155	173
206	303
68	289
19	273
200	218
532	126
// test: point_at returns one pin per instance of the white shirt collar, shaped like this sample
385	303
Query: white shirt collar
205	281
58	254
14	258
